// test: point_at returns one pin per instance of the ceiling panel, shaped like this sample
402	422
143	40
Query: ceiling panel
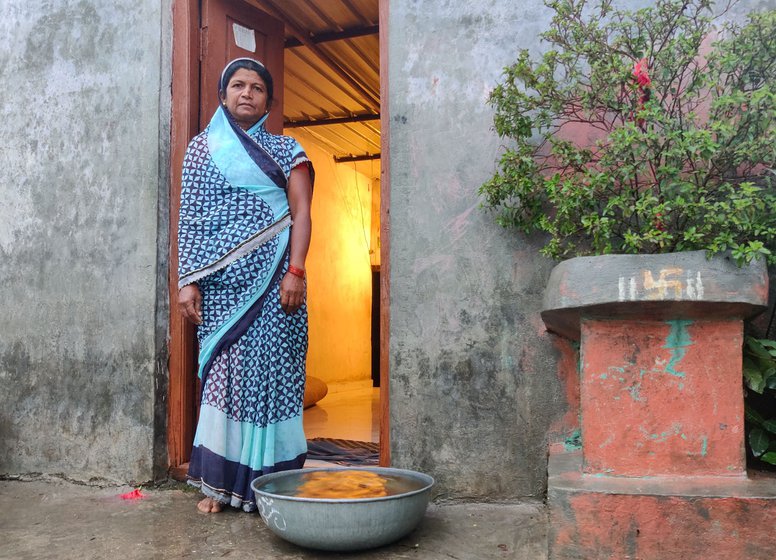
332	72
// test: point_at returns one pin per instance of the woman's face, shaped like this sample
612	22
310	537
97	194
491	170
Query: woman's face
245	97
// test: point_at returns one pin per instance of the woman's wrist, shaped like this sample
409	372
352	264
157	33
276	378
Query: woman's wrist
296	271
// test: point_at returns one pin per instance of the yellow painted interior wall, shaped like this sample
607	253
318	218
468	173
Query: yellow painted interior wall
339	280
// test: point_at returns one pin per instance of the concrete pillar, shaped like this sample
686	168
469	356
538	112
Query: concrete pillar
661	407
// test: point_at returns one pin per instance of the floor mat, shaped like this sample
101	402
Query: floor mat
343	451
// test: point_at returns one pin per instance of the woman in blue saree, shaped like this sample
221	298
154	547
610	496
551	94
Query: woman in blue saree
243	237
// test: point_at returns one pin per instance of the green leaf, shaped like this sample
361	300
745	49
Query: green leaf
770	425
756	348
754	379
759	441
769	457
753	416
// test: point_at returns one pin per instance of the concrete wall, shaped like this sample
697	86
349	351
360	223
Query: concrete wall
84	121
473	382
338	271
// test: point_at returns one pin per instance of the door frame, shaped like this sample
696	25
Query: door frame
185	111
183	126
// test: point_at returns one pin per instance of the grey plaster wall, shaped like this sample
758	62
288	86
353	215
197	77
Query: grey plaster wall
473	383
82	121
474	377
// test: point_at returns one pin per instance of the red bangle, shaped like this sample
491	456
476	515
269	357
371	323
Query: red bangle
296	271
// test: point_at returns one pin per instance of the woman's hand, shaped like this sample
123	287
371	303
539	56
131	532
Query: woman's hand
190	303
292	292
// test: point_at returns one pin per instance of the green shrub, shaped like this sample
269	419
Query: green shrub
646	131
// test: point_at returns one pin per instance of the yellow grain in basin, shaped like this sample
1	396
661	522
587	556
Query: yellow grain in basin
343	485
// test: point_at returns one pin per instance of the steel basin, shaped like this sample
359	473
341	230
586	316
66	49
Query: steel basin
343	524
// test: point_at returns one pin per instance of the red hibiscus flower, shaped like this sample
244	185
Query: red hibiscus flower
640	73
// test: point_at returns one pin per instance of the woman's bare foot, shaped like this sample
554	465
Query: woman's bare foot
209	505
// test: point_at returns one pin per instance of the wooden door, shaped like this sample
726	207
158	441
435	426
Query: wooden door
233	29
229	29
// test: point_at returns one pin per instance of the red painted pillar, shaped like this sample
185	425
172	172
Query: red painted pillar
661	474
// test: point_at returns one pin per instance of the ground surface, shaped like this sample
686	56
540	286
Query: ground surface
51	519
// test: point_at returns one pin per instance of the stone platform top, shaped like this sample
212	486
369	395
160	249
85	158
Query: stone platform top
683	285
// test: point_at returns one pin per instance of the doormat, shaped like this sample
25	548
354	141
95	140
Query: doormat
343	451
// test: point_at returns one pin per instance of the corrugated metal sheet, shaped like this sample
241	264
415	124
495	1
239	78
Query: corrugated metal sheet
332	72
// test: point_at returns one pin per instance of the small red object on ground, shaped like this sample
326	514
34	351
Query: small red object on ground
135	494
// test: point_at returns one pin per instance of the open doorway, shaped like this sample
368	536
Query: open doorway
331	90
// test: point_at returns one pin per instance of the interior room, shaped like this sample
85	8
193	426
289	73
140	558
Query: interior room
331	105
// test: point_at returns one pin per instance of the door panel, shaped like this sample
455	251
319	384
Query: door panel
233	29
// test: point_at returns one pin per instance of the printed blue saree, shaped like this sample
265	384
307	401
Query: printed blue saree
233	242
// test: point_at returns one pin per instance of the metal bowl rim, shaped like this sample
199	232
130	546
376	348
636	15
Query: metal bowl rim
427	479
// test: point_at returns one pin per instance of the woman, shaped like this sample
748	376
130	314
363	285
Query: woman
243	238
